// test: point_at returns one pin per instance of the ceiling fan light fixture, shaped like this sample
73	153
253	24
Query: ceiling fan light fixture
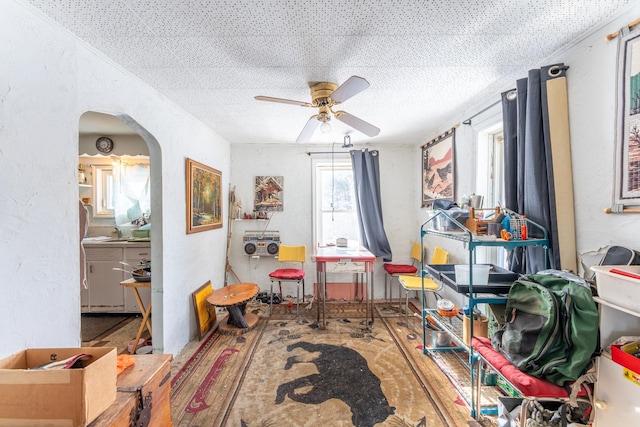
324	118
325	96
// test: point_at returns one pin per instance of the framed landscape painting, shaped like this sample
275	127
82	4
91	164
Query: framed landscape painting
204	197
438	169
628	122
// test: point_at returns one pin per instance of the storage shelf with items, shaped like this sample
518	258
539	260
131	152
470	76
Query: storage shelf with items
445	225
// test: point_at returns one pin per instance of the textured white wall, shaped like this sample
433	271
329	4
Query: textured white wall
295	224
130	145
48	79
592	118
591	80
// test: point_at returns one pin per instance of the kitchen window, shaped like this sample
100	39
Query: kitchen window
121	190
104	194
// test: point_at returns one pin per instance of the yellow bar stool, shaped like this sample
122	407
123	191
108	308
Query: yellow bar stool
414	283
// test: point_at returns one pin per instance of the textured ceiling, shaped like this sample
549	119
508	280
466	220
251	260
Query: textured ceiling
425	60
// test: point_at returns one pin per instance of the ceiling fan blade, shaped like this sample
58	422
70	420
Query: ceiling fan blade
309	129
353	86
356	123
283	101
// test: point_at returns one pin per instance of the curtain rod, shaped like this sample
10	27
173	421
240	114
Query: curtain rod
468	121
311	153
617	209
612	36
442	135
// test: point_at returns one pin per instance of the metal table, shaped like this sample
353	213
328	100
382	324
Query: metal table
333	259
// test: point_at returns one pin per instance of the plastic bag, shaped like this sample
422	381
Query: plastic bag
509	411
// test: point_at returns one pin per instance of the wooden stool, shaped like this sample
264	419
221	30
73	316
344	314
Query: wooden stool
234	298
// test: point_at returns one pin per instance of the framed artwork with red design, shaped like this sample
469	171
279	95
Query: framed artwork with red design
438	172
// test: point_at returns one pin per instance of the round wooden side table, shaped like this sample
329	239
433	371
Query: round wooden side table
234	298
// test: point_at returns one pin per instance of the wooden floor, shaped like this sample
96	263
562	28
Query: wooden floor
119	338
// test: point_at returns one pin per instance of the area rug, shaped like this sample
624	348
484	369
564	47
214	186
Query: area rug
287	371
95	326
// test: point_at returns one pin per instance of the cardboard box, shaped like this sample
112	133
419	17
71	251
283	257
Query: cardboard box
480	328
69	397
623	355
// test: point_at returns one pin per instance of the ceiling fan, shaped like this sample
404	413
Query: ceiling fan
324	96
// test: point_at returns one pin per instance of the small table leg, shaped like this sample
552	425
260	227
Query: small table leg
146	320
236	316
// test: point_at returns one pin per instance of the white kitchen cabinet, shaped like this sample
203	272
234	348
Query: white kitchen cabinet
134	256
616	397
105	293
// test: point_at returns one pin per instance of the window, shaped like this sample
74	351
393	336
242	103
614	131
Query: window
104	195
121	190
132	181
334	208
490	181
490	167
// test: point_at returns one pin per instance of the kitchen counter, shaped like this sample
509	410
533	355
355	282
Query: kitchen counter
115	243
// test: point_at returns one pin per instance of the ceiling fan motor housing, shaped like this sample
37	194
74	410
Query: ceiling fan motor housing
321	94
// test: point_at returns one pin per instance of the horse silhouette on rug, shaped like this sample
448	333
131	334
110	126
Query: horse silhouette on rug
343	374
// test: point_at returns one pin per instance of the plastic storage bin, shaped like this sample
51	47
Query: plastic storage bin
480	274
623	289
443	223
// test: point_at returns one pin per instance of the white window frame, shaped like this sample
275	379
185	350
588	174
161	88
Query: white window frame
103	188
489	173
490	165
339	162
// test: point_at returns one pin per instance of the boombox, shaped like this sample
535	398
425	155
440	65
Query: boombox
261	243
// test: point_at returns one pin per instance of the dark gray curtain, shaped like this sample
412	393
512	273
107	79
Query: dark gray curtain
528	165
366	179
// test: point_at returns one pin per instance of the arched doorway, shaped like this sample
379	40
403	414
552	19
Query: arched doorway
131	156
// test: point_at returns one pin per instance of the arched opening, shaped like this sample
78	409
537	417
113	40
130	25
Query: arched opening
120	189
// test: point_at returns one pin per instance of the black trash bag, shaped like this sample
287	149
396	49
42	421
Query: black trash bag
443	204
443	223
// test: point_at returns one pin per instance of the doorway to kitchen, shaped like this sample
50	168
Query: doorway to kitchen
117	159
